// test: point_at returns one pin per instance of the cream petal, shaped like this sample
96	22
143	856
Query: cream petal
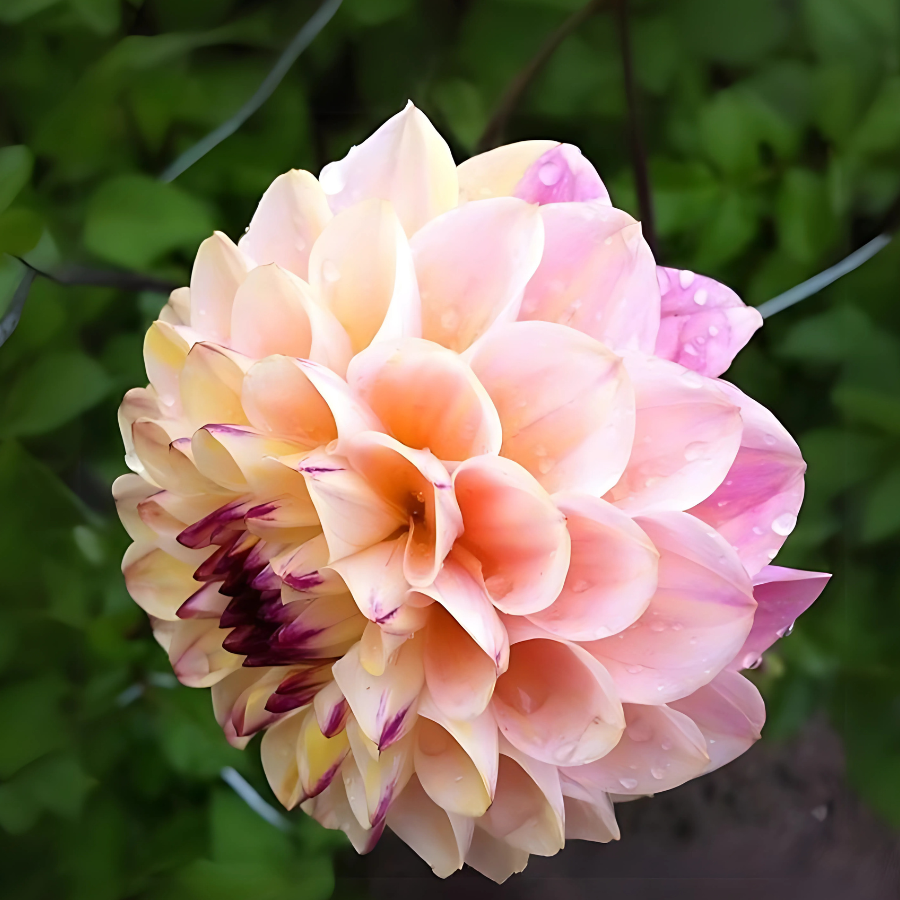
556	704
384	705
597	275
290	216
275	313
418	486
561	175
593	820
376	648
278	752
332	709
433	831
361	269
696	622
472	265
210	386
140	403
128	491
305	568
239	702
497	172
158	582
755	507
219	269
331	809
730	714
515	531
405	161
661	749
319	758
687	435
565	403
612	573
165	352
494	858
177	310
197	655
427	397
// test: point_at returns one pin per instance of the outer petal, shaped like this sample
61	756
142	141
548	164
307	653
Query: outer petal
755	507
661	749
781	596
158	582
472	265
278	752
165	352
219	269
494	857
331	809
275	312
729	712
698	619
427	397
687	435
197	655
704	324
597	274
561	175
498	172
612	574
239	702
291	215
556	704
515	531
593	819
405	161
361	270
565	403
210	386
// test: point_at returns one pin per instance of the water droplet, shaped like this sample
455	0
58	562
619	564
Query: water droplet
420	496
658	774
722	503
545	465
770	439
694	451
580	587
757	530
786	632
692	641
607	242
677	626
686	278
540	450
330	271
639	732
690	350
628	783
498	586
458	779
550	173
450	320
666	744
634	670
785	524
772	553
701	297
657	626
713	331
751	661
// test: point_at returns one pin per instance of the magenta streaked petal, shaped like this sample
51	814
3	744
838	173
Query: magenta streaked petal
561	175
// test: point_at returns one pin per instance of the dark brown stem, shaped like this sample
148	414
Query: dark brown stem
109	278
493	133
638	150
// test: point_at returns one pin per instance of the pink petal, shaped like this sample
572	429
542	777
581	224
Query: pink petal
557	704
687	435
497	172
177	310
472	264
597	275
612	574
729	712
697	621
362	271
515	531
427	397
290	216
219	269
660	749
590	815
494	858
561	175
755	507
405	161
704	324
565	403
781	595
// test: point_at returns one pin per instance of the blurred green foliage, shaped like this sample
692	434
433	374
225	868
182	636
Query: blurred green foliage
773	131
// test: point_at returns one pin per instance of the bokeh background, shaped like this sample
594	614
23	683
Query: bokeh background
772	130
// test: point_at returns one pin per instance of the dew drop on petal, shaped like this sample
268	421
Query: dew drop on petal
785	524
657	626
758	530
690	350
666	744
450	320
639	732
658	774
701	297
713	331
628	783
770	439
330	271
580	586
686	278
549	173
694	451
545	465
634	670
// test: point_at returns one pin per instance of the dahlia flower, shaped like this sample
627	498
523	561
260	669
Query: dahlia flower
435	483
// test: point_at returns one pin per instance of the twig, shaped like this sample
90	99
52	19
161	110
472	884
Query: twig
123	281
493	132
638	149
304	37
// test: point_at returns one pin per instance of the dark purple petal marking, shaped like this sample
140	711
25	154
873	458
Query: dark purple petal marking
393	730
216	525
205	603
304	582
319	470
337	719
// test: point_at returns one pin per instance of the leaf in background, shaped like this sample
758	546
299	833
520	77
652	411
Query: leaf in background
463	108
13	11
871	407
54	389
15	169
376	12
731	229
806	223
20	230
879	130
737	32
133	221
101	16
39	727
881	517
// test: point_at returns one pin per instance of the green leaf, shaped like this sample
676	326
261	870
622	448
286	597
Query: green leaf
730	230
376	12
15	169
463	107
872	407
13	11
134	220
101	16
737	32
33	707
881	518
807	226
20	230
54	389
879	130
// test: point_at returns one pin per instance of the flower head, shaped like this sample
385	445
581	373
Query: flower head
435	482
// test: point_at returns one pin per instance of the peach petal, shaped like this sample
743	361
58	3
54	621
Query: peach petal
497	172
278	752
196	653
565	403
612	573
305	568
405	161
128	491
361	269
515	531
597	275
290	216
660	749
472	265
696	622
427	397
591	820
687	435
495	858
755	507
177	310
557	704
319	758
561	175
332	709
331	809
165	353
157	582
219	269
210	386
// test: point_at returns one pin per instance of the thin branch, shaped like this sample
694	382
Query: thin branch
494	131
105	278
304	37
11	317
638	148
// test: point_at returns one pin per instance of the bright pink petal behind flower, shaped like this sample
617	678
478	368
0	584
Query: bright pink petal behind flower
561	175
